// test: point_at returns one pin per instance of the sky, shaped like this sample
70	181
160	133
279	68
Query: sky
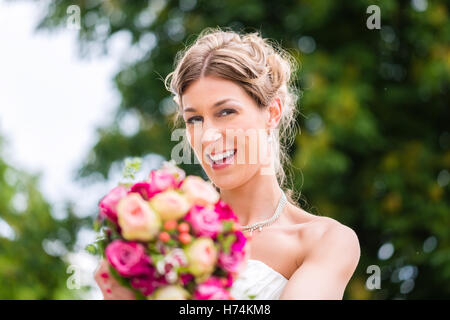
51	102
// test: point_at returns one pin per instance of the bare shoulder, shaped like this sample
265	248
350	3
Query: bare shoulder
310	227
330	255
326	229
320	236
338	236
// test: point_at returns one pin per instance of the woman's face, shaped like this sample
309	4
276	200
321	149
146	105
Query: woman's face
220	117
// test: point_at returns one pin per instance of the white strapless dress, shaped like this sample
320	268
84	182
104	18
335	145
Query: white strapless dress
259	281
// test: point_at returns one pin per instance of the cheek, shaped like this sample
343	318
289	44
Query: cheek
255	134
249	146
195	144
191	138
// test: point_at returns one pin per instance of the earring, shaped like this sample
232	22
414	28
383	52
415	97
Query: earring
270	138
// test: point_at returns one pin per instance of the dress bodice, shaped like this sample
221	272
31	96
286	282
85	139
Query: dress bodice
259	281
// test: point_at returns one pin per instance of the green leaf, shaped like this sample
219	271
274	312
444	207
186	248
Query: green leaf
226	244
97	225
172	242
92	249
123	281
227	225
132	165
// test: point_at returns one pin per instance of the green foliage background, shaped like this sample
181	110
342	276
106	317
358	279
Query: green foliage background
374	146
27	270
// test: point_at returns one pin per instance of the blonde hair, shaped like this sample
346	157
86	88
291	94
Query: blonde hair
259	65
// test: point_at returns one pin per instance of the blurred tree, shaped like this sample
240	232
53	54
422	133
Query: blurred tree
32	242
375	149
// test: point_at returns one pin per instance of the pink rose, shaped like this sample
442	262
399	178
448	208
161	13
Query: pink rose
108	205
229	280
232	261
137	219
147	283
211	289
224	210
171	168
185	278
204	221
143	188
160	181
239	243
199	191
128	258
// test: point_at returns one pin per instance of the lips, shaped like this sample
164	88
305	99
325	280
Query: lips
221	157
215	153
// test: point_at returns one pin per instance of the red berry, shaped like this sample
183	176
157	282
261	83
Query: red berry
183	227
185	237
170	224
164	236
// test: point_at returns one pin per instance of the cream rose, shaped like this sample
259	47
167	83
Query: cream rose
170	292
170	205
202	256
137	219
199	191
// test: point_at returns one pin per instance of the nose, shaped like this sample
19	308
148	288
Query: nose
210	135
211	140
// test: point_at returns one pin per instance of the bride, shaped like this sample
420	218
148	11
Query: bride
228	86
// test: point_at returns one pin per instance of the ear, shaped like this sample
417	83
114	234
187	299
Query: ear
274	112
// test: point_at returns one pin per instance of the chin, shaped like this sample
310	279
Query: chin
224	181
231	178
226	185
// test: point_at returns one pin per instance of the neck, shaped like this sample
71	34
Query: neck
255	200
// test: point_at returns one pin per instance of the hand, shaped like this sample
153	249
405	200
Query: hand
110	287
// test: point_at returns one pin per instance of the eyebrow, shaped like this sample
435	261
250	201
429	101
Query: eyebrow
217	104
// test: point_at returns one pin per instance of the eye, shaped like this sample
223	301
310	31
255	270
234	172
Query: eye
191	120
227	111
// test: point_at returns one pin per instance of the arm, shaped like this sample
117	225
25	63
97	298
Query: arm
327	268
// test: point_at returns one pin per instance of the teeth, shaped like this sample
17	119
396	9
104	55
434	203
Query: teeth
219	156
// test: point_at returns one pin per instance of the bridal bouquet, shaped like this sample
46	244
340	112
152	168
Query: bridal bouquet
171	237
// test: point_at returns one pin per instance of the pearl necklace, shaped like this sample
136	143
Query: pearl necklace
259	225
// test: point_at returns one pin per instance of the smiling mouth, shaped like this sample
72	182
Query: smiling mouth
222	157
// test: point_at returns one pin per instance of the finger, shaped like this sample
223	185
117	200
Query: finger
103	270
109	286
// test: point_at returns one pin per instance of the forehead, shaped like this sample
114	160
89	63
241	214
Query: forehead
209	90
